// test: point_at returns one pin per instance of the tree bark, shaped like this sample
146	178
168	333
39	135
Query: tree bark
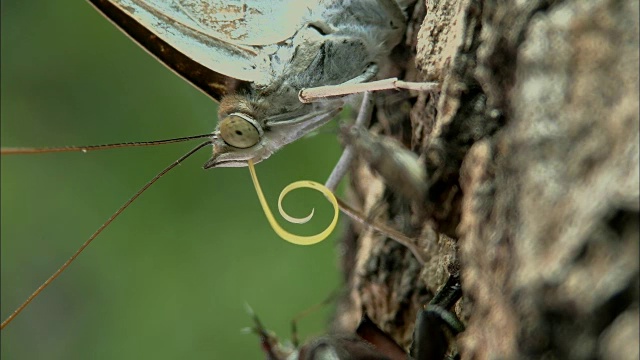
530	151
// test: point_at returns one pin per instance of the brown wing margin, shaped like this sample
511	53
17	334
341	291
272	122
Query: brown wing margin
213	84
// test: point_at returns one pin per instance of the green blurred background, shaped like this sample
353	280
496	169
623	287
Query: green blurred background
169	278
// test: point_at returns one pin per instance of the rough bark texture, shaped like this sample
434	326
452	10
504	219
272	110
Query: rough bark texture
531	155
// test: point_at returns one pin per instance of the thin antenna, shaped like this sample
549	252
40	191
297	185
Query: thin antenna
22	151
97	232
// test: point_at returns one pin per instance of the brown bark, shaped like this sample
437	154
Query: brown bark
531	155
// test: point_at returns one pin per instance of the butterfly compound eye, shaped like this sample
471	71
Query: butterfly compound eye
239	132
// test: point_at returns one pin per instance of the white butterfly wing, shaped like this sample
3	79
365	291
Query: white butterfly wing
176	23
249	22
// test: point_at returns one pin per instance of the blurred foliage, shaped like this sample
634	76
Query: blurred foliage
169	278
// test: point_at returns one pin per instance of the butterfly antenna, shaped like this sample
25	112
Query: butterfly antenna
84	149
97	232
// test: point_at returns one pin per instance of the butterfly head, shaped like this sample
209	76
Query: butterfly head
243	135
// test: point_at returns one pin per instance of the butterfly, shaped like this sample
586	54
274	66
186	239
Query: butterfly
254	57
218	85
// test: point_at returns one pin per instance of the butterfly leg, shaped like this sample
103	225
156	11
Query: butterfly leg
352	87
340	170
268	341
294	322
429	338
364	116
342	167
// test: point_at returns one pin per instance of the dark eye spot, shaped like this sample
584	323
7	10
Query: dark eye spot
238	132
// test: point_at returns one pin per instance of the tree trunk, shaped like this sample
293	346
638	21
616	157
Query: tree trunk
531	156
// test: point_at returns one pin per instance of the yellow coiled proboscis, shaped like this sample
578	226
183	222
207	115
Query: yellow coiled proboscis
293	238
